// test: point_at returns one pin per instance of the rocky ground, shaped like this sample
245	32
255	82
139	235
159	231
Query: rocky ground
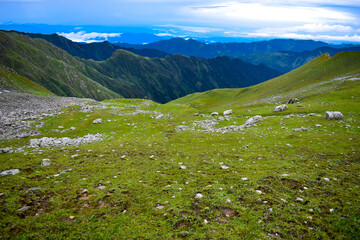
20	113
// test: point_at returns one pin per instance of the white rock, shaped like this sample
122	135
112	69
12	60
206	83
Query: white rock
244	178
228	112
182	166
331	210
228	201
214	114
280	108
96	121
9	172
333	115
224	167
252	121
299	199
326	179
199	195
258	191
45	162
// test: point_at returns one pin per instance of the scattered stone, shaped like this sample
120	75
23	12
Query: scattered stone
9	172
326	179
258	191
214	114
182	166
301	129
244	178
299	199
23	208
280	108
331	210
84	191
60	127
224	167
206	221
333	115
96	121
45	162
196	114
159	116
318	125
159	206
72	217
292	100
199	195
227	112
228	201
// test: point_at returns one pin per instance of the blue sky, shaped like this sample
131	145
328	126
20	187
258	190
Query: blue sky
326	20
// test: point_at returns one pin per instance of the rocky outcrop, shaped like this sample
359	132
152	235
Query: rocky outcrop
292	100
58	142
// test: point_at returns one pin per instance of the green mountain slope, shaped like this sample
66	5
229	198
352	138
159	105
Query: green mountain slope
174	76
10	80
49	66
315	77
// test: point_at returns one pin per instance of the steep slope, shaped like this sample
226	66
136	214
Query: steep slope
286	61
95	51
49	66
10	80
320	76
174	76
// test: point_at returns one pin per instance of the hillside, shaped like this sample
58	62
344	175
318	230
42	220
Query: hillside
316	76
135	169
10	80
49	66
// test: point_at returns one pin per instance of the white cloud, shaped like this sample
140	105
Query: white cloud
234	12
89	37
192	28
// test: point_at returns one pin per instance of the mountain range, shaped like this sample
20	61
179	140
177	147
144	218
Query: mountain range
124	73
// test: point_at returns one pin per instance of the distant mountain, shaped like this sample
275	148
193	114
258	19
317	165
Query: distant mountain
199	49
286	61
95	51
127	74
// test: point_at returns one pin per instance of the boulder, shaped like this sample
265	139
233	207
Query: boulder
214	114
96	121
228	112
333	115
252	121
9	172
280	108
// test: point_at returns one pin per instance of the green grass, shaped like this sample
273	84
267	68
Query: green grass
12	81
145	153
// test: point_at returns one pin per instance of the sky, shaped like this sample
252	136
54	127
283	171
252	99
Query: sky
325	20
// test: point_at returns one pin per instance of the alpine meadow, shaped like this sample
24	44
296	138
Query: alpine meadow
180	136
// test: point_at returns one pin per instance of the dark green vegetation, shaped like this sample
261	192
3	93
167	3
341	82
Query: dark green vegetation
279	183
124	73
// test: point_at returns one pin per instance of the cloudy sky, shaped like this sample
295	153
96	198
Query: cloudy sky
327	20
